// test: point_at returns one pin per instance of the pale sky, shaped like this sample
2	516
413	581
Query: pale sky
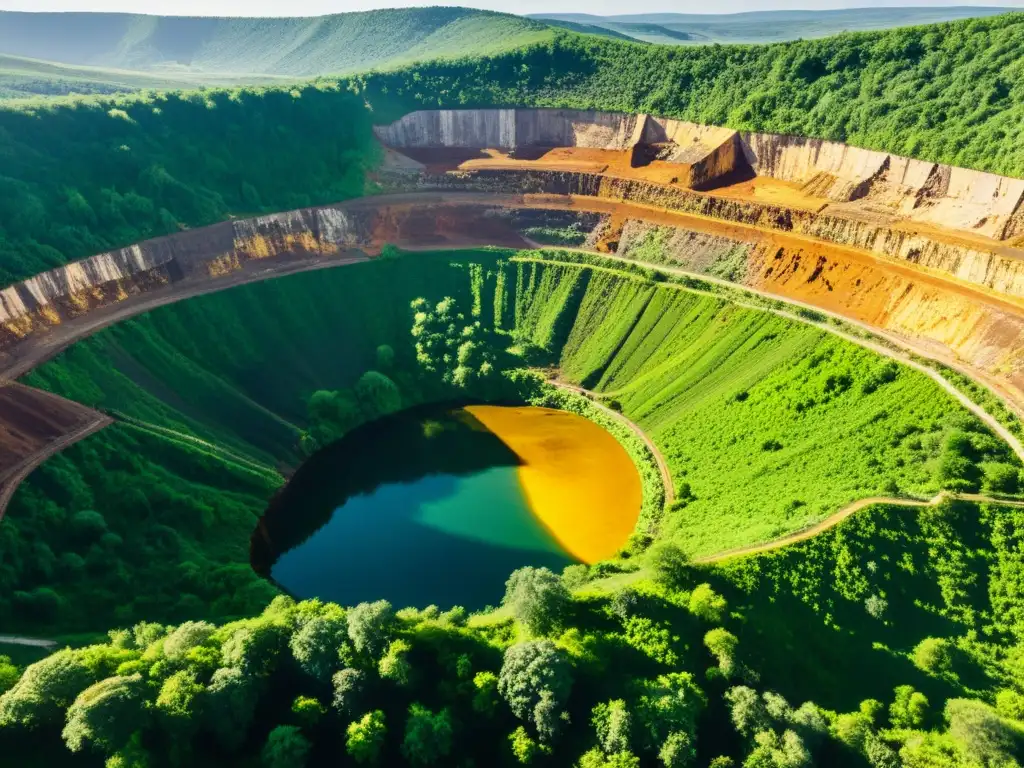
599	7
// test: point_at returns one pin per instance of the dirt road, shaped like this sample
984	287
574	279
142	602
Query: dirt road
834	519
35	642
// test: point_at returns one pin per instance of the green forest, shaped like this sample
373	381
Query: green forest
81	179
649	659
232	49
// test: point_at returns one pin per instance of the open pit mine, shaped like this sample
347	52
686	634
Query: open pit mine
926	256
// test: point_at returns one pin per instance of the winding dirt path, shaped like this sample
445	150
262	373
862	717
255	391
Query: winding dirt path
811	531
834	519
35	642
173	434
619	580
666	476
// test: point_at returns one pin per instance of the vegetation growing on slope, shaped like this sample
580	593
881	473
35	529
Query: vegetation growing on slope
947	92
766	424
81	179
762	26
260	375
892	639
32	79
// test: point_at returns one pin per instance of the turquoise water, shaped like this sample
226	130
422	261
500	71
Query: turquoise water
421	508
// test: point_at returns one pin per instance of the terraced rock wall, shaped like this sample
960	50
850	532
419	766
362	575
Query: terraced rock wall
885	184
943	195
957	327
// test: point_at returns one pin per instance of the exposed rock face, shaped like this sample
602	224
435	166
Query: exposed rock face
933	314
988	336
888	186
512	128
964	258
702	152
465	128
954	198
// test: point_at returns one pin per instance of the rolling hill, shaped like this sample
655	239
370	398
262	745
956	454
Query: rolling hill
22	78
340	43
762	26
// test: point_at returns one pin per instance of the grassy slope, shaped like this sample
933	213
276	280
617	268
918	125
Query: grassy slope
178	523
22	78
284	46
950	93
230	368
233	368
769	423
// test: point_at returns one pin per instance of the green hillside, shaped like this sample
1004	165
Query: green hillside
767	425
80	179
143	521
765	26
340	43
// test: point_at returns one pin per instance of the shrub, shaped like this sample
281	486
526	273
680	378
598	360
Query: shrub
933	655
538	599
365	737
707	605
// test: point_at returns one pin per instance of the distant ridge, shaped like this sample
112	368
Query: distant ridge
765	26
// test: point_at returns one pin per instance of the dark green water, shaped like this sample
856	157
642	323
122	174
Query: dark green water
423	507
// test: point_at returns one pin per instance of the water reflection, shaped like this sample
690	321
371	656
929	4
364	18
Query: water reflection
422	507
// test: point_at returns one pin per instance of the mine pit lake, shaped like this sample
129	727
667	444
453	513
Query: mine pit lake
437	505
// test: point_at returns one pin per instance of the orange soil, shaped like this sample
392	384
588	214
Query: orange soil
768	191
579	481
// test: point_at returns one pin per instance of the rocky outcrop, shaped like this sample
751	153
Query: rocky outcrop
702	152
512	129
752	244
934	317
942	195
463	128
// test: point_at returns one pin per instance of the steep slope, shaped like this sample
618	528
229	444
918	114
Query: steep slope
767	424
879	90
283	46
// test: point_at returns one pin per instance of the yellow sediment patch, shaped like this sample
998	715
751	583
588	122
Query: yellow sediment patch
578	480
